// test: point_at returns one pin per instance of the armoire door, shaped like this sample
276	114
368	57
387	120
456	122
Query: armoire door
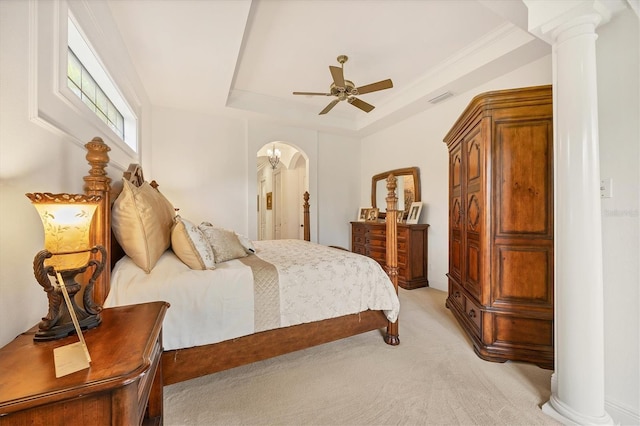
473	226
456	258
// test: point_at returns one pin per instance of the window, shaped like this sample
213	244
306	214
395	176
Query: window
89	80
85	87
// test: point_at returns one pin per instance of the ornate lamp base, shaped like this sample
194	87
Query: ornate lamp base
66	329
58	322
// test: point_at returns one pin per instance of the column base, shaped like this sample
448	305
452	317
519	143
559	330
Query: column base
559	411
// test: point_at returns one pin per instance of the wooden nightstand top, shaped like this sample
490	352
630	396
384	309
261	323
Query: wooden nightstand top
121	350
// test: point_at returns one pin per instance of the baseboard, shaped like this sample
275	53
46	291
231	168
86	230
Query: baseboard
621	414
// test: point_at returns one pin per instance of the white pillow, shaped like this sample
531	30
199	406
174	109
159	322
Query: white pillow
191	246
225	244
141	220
246	243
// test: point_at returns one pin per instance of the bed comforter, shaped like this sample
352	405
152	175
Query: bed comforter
287	282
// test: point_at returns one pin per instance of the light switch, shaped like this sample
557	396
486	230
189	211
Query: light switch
606	188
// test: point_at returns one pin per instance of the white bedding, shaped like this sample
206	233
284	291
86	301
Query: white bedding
316	282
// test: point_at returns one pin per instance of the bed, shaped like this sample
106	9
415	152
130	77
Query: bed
240	319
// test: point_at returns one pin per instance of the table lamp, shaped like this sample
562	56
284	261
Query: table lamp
66	219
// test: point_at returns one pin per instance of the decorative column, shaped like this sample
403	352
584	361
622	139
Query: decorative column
577	388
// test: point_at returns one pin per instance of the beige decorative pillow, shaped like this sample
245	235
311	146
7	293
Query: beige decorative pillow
191	246
225	244
142	219
247	244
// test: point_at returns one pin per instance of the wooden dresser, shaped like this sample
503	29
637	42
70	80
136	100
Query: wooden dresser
123	385
501	224
368	238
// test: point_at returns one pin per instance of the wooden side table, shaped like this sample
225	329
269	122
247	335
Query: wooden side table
123	385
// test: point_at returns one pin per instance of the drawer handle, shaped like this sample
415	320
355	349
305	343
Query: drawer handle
456	294
472	313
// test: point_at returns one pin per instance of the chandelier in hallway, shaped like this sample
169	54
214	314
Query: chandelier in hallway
274	156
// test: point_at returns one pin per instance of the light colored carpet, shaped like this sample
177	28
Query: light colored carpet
432	377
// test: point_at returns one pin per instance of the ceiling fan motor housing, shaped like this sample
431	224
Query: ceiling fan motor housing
349	89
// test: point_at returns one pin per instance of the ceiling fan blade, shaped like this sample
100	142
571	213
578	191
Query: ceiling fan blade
328	107
361	104
374	87
312	93
338	76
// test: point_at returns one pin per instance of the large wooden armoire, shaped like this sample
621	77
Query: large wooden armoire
501	224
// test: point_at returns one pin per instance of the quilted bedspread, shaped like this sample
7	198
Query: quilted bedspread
287	282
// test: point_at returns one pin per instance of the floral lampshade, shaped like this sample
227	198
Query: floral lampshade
66	219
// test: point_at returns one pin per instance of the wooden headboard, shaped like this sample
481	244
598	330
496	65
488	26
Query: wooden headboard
98	183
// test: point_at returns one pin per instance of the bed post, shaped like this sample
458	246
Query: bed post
98	183
391	337
307	231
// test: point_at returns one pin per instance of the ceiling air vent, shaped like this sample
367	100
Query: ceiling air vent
440	97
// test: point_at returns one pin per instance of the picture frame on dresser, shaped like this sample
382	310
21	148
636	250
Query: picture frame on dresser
414	212
372	214
362	214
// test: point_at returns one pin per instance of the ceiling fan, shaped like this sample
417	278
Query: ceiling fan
345	90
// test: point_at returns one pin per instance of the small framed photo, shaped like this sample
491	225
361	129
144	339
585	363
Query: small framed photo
362	214
372	214
400	216
414	212
269	200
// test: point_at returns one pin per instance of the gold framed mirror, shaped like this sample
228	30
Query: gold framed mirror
408	184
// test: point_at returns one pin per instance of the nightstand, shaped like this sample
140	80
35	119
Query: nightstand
123	385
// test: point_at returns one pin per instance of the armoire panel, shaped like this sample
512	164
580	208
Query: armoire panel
474	157
523	331
473	266
523	175
524	276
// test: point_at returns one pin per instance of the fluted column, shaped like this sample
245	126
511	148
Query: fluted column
577	389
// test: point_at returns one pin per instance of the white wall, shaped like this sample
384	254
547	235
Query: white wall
417	141
338	189
34	155
618	62
200	163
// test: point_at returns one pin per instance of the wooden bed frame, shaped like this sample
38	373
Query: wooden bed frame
184	364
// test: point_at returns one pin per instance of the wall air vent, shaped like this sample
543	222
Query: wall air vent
440	97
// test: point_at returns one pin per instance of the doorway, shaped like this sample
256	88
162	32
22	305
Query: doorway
281	184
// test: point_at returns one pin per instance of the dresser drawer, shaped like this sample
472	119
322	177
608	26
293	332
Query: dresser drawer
376	242
359	239
474	313
360	249
358	230
379	232
379	255
455	295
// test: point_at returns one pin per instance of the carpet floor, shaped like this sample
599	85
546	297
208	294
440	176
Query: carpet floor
432	378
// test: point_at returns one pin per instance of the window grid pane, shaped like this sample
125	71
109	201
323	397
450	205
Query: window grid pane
84	86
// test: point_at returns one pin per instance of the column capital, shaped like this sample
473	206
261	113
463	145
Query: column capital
548	18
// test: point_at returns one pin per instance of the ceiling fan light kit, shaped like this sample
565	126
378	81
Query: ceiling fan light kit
346	90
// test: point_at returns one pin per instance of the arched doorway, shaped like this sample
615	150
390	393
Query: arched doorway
280	186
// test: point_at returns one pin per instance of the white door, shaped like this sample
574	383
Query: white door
262	211
277	204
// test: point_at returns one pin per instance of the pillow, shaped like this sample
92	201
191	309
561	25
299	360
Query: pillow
191	246
142	219
246	243
225	244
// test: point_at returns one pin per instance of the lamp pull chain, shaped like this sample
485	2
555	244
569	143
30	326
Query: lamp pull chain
74	318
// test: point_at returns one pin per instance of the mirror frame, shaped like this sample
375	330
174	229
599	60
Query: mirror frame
407	171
